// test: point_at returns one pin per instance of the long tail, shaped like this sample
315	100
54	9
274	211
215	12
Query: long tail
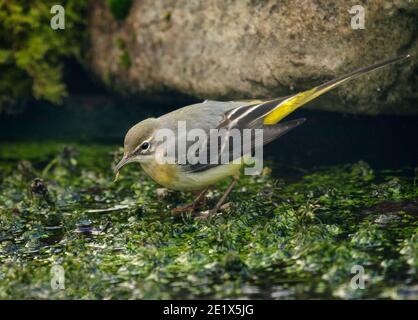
292	103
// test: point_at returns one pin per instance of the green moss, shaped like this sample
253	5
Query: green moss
32	53
120	43
119	8
125	60
293	238
167	16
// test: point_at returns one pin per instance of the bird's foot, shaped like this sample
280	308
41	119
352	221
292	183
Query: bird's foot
205	215
186	208
220	205
191	207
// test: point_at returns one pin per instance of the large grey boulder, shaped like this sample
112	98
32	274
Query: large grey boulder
222	49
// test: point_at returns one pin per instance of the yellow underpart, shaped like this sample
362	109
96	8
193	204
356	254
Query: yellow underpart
164	174
173	177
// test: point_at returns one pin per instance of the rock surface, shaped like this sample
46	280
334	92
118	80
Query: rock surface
245	49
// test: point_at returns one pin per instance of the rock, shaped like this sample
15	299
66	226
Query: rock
244	49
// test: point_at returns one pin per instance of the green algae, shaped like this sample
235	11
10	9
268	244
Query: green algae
296	237
119	8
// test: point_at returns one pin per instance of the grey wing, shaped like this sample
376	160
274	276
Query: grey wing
241	115
202	116
206	115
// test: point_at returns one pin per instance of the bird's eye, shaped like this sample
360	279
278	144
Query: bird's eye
145	146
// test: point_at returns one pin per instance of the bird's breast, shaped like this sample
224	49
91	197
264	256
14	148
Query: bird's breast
164	174
173	177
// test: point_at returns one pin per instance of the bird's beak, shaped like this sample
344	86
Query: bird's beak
125	160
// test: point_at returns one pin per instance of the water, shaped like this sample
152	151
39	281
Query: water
342	192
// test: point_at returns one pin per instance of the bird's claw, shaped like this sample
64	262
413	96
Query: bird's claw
204	215
186	208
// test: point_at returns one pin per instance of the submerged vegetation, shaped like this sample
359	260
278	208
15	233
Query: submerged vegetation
297	237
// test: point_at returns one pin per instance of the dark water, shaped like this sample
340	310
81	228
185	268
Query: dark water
325	139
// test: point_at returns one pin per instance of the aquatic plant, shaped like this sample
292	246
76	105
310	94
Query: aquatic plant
297	237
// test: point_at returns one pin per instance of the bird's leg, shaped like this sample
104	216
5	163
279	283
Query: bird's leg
194	204
224	196
221	200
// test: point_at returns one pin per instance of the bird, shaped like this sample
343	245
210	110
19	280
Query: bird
141	145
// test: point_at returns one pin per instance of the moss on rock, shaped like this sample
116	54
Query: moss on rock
119	8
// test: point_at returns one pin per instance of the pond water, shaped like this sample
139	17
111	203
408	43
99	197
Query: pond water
325	204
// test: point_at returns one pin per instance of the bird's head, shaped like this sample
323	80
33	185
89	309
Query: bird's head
139	143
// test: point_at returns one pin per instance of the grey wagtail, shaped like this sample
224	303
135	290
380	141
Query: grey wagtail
141	144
